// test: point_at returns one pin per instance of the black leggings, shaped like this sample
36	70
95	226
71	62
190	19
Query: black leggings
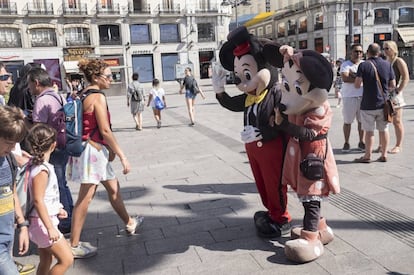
312	213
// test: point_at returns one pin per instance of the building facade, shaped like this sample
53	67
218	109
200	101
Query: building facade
324	26
156	38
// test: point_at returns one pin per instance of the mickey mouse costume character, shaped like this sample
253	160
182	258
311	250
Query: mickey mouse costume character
304	113
265	144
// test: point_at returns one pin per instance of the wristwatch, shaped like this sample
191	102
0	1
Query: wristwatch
25	223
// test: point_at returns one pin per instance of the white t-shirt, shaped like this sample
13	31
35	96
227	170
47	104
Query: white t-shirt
348	89
51	198
156	92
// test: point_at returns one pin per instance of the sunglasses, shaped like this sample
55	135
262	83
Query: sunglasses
107	76
5	77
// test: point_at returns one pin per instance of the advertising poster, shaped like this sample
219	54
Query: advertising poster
53	68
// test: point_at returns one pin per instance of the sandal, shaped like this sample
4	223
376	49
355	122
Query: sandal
382	159
24	269
362	160
378	150
395	150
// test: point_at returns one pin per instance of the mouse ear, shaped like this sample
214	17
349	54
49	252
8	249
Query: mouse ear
317	69
272	55
226	56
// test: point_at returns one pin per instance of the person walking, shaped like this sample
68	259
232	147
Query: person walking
373	100
402	78
46	209
338	82
351	97
155	92
46	105
19	155
191	87
94	165
136	99
13	130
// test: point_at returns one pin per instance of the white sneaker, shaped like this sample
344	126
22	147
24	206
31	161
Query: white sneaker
138	220
84	250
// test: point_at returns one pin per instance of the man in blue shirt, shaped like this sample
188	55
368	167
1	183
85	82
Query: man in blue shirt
373	99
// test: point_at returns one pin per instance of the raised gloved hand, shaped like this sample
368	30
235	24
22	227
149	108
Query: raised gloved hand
250	134
218	78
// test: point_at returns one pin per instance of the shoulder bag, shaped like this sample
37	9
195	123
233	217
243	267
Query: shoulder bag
388	108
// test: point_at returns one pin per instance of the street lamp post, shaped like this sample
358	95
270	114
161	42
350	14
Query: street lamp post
350	25
234	4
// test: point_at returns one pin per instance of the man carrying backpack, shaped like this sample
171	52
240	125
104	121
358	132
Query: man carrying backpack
46	109
136	99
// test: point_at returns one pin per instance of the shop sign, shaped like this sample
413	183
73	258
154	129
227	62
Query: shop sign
112	62
73	54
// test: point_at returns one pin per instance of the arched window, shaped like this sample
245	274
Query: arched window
77	36
10	38
43	37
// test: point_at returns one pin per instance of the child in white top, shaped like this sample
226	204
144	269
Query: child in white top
45	204
159	92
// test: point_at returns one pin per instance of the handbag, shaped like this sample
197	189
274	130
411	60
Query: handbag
388	108
312	166
389	111
159	104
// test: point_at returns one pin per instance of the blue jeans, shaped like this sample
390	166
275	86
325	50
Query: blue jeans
59	159
7	265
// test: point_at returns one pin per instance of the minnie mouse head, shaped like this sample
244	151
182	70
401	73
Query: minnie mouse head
243	54
306	78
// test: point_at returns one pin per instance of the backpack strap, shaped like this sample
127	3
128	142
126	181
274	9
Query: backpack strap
29	205
54	95
13	167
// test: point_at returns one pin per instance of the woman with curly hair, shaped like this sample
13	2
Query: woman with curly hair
94	165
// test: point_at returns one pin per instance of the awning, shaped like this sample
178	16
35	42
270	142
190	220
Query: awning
406	34
259	18
241	20
71	67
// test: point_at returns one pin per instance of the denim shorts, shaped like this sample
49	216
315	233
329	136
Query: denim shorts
189	94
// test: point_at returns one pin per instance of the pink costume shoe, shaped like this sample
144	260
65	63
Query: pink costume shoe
326	234
305	249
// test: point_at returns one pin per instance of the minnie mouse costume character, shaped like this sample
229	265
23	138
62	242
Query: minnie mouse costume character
304	113
265	144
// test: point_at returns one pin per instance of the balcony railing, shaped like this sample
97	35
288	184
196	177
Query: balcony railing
78	9
145	9
206	9
35	9
113	9
8	8
169	10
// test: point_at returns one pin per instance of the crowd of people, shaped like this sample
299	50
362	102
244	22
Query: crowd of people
30	123
28	137
362	97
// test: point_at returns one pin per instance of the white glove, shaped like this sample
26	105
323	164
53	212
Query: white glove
250	134
218	77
